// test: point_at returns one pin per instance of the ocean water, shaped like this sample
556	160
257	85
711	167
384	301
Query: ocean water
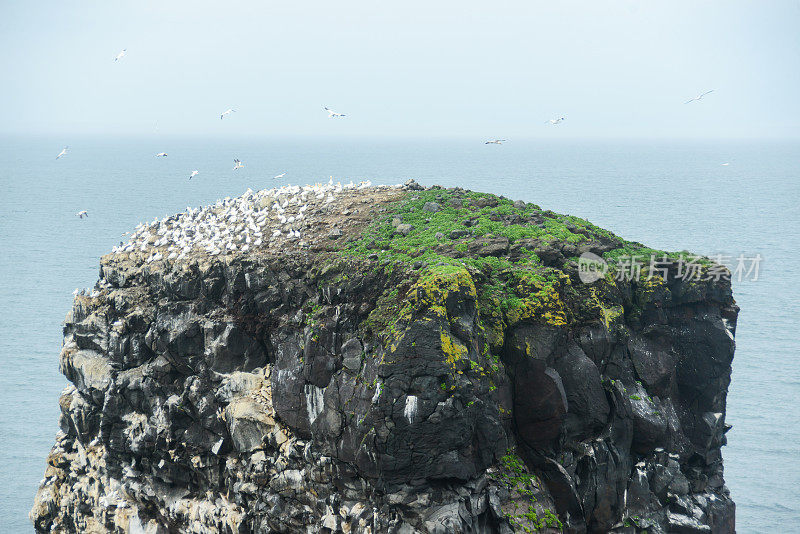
668	195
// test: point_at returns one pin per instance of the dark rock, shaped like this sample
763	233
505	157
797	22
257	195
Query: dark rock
588	409
653	365
351	354
648	423
487	246
681	524
540	403
485	202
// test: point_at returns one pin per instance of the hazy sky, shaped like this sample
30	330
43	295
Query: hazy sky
424	68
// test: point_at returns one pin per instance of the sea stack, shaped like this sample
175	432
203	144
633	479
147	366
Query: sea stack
402	359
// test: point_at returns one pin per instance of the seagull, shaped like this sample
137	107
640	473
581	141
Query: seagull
496	142
82	214
555	121
161	155
226	112
194	173
332	114
62	153
725	164
237	164
698	97
280	176
121	54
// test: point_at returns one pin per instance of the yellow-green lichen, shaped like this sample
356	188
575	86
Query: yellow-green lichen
608	314
538	300
452	349
438	283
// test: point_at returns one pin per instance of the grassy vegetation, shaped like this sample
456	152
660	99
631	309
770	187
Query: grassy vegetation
520	289
489	220
631	250
515	476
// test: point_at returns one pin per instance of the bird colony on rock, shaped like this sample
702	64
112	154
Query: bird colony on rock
234	224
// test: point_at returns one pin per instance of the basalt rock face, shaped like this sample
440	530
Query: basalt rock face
346	389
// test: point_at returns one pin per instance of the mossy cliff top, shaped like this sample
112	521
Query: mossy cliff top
521	263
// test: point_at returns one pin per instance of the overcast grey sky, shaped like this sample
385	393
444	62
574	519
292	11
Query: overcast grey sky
426	68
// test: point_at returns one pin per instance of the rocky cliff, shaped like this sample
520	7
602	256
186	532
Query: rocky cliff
390	359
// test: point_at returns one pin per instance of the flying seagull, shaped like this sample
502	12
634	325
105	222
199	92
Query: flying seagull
332	114
62	153
194	173
82	214
280	176
237	164
495	142
698	97
161	155
120	55
725	164
226	112
555	121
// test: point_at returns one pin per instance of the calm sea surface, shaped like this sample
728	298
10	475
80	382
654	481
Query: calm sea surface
670	196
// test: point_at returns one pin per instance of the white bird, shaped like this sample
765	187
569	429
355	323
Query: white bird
121	55
82	214
226	112
194	173
725	164
279	176
495	142
161	155
62	153
555	121
332	114
237	164
698	97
